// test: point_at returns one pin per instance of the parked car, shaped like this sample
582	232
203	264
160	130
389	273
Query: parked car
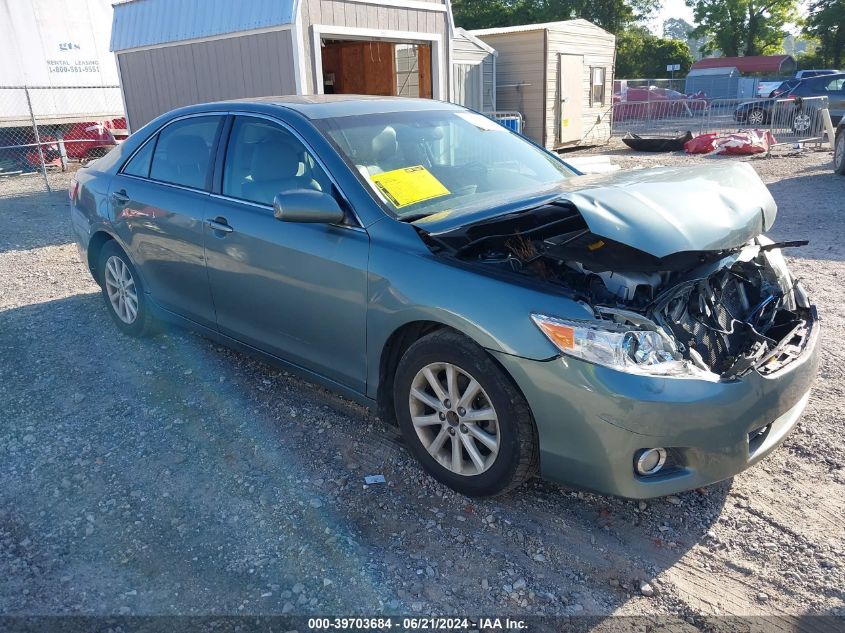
766	88
632	333
782	106
656	103
83	141
86	141
839	149
806	74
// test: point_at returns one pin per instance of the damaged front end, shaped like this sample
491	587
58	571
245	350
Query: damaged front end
708	314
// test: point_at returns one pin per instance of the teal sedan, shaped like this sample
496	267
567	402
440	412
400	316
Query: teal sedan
634	334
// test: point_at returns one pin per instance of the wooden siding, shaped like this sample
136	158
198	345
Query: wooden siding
579	37
520	61
160	79
367	16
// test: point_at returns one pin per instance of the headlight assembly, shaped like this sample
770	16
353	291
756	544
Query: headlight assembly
621	347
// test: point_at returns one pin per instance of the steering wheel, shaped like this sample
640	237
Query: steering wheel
475	173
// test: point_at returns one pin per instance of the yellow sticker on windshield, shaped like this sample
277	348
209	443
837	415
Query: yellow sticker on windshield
409	185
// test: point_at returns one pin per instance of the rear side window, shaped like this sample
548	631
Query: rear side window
834	85
140	163
183	152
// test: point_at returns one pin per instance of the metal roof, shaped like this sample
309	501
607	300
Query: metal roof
729	71
751	64
149	22
521	28
463	33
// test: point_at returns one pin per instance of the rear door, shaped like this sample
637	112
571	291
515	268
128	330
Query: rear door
158	202
297	291
571	97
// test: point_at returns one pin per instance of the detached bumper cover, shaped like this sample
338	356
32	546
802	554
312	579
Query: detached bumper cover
591	420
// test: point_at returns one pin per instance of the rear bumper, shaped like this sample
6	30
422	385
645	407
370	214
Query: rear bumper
592	420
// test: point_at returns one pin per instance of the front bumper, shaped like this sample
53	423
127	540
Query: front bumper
592	420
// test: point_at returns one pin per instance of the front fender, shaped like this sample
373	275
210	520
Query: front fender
408	283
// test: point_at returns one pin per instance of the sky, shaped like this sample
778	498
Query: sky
671	9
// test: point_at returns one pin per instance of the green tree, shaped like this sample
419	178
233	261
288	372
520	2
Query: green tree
612	15
680	29
476	14
743	27
641	54
826	24
677	29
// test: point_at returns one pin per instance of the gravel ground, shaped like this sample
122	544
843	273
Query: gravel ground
171	475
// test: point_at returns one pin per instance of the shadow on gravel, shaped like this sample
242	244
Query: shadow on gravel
819	220
34	218
170	475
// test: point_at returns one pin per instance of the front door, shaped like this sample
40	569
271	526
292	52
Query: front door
297	291
466	80
570	89
158	203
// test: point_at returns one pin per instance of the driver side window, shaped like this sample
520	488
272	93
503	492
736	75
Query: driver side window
263	159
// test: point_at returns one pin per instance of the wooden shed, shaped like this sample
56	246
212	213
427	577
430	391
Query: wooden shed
559	76
172	53
473	79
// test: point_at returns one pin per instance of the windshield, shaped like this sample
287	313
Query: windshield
421	163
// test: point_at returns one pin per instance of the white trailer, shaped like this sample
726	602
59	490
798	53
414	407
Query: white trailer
59	51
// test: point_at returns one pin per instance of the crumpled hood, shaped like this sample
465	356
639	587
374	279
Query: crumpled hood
664	210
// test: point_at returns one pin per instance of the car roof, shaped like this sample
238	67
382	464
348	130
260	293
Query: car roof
328	106
825	77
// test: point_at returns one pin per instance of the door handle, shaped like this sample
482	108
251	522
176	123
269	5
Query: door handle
120	198
219	224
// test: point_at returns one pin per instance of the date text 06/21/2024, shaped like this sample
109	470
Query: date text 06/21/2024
416	624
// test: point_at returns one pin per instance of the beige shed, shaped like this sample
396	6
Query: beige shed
559	76
172	53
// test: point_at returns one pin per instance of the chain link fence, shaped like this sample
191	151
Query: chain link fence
791	121
46	133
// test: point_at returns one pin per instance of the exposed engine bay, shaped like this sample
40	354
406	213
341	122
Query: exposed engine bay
720	313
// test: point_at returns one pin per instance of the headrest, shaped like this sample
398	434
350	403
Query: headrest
385	144
275	157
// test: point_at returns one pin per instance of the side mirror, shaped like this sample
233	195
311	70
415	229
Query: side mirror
305	205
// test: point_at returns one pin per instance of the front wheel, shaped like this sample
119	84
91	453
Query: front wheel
123	291
757	116
462	416
839	154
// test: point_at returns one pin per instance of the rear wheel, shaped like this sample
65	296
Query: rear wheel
839	154
462	416
123	291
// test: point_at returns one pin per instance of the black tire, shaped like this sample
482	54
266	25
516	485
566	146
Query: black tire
143	323
517	458
839	153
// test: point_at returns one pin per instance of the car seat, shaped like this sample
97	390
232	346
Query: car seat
276	165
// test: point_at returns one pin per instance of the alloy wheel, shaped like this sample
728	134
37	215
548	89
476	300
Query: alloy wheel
120	286
801	122
756	117
454	419
839	154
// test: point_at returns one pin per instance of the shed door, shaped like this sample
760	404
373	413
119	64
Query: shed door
467	82
570	89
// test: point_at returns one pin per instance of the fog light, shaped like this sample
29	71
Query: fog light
649	461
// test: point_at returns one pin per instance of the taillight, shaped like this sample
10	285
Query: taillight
74	189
